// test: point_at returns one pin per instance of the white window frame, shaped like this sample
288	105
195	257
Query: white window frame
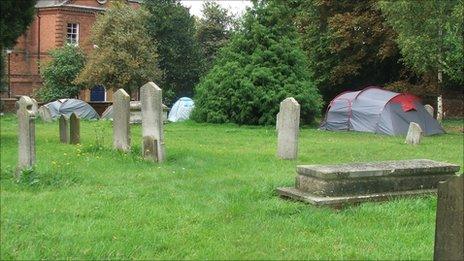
74	31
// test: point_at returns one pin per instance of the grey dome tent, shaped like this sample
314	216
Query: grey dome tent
378	111
68	106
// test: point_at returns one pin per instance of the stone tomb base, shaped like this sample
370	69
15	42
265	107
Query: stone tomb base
338	185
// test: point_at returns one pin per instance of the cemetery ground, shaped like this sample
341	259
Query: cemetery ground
214	197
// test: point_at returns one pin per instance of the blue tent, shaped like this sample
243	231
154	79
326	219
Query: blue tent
181	109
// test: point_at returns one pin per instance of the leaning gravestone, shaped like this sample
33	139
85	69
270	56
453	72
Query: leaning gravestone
414	134
152	122
26	134
63	125
74	129
449	230
429	109
121	120
288	124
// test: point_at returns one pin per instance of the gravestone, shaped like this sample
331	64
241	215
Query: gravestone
121	120
288	124
414	134
152	121
429	109
45	114
277	122
74	129
63	125
449	229
352	183
26	134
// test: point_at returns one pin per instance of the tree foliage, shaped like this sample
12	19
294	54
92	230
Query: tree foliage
124	55
430	35
347	44
59	74
16	17
260	66
172	28
213	32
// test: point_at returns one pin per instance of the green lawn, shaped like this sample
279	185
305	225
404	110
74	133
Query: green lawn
214	198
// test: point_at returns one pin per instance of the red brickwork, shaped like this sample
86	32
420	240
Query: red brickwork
47	32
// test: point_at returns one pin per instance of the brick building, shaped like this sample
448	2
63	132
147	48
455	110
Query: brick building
57	22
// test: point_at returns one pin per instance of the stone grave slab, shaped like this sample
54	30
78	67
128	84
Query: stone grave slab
342	184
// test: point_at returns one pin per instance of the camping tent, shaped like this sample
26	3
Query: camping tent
379	111
181	109
68	106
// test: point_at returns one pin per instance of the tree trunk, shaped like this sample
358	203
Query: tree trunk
440	108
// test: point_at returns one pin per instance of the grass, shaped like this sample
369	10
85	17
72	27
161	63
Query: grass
214	198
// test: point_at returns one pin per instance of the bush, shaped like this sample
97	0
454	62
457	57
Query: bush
260	66
60	72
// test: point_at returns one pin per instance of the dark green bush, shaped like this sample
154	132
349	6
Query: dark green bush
260	66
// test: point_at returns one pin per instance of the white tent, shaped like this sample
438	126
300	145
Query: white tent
181	109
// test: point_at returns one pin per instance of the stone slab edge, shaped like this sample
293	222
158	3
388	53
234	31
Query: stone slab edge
293	193
375	169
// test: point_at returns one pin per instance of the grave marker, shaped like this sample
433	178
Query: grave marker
414	134
121	120
74	129
45	113
63	125
429	109
288	124
26	134
152	121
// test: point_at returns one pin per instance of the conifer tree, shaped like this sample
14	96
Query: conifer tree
260	66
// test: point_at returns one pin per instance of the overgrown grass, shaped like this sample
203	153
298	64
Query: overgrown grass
214	198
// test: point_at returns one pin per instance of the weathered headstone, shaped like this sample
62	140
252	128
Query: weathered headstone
449	229
288	129
26	134
74	129
63	125
429	109
152	121
45	114
121	119
414	134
